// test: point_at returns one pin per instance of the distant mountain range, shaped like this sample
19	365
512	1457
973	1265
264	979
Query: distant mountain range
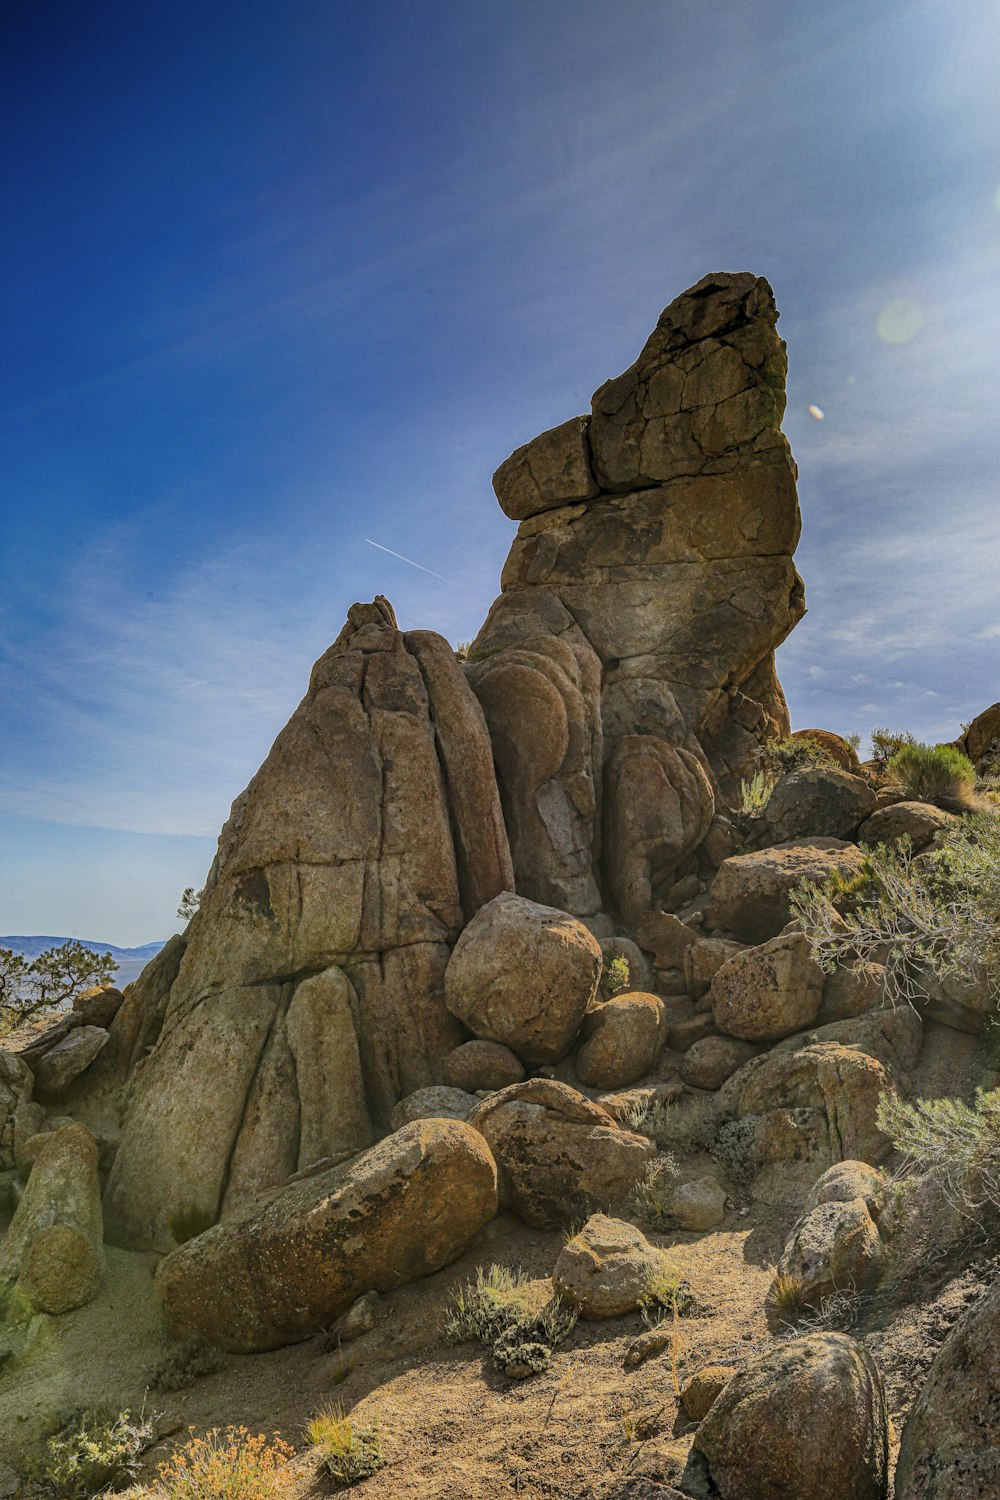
130	961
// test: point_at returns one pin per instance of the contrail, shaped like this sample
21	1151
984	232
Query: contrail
406	559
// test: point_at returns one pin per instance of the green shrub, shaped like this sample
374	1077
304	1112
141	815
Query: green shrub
187	1223
652	1194
501	1309
798	752
687	1125
231	1465
957	1143
185	1362
755	794
95	1451
347	1451
885	744
935	773
668	1295
932	917
616	977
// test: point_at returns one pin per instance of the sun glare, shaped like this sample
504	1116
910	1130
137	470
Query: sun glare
899	321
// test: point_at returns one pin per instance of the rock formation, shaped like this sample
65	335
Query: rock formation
625	672
309	997
627	669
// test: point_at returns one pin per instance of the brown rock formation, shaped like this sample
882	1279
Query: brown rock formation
626	671
309	998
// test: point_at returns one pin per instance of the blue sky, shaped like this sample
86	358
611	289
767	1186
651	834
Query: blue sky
286	276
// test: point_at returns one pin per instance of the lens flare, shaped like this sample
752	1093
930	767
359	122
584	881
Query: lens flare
899	321
817	412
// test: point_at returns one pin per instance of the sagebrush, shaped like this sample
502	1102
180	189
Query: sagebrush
928	919
95	1451
958	1143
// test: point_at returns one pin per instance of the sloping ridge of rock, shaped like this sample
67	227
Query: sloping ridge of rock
627	669
308	997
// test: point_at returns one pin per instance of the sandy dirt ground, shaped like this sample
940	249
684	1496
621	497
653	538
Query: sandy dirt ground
452	1427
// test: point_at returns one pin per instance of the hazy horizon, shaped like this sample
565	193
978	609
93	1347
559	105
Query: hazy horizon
285	284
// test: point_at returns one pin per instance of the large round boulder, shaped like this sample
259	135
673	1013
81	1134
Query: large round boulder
559	1156
708	1063
834	746
53	1251
288	1266
830	803
523	974
806	1420
608	1268
917	821
623	1038
765	993
749	895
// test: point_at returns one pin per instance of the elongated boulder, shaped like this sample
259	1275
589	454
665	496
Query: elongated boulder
307	997
280	1271
807	1420
815	802
52	1255
627	669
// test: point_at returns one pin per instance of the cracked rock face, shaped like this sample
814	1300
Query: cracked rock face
310	995
626	671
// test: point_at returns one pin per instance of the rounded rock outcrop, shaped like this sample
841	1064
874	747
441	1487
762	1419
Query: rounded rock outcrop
608	1269
768	1432
623	1037
558	1154
523	974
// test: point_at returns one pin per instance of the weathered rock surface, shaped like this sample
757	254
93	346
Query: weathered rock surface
98	1005
749	895
630	669
558	1155
278	1272
607	1269
817	802
665	936
950	1448
482	1065
56	1069
849	992
524	974
768	1434
917	821
435	1103
703	960
835	1248
16	1085
803	1109
982	736
52	1256
698	1205
623	1038
550	471
371	833
769	992
700	1393
708	1063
